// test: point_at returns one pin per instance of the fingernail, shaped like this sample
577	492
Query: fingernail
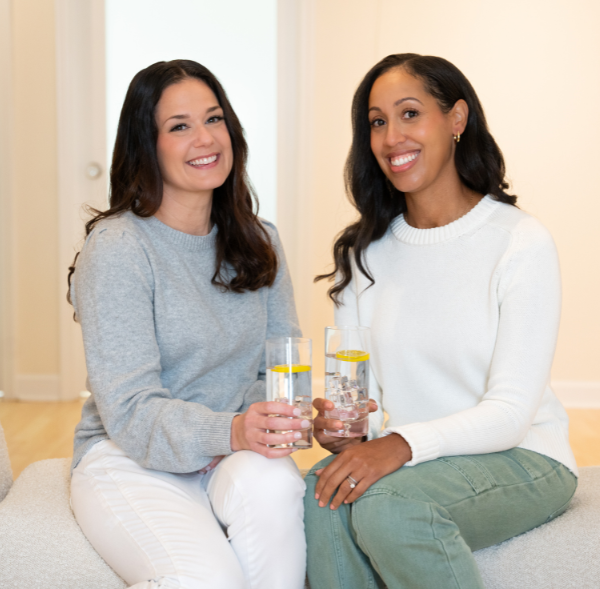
305	423
317	496
321	504
297	411
332	507
297	435
339	425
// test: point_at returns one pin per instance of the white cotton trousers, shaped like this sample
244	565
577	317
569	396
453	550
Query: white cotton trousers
239	526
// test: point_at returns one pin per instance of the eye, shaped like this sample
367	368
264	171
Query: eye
215	119
179	127
410	114
377	122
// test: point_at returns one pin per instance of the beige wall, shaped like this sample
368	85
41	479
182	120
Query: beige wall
35	198
535	67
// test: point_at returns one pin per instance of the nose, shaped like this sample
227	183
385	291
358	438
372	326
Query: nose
394	134
203	136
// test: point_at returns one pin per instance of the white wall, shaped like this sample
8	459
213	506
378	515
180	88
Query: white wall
235	39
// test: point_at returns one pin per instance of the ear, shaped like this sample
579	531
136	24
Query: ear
459	116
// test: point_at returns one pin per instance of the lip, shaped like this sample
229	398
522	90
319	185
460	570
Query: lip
207	166
403	154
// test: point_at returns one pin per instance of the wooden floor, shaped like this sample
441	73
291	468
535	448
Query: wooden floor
36	431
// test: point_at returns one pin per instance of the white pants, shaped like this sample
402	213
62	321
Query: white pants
239	526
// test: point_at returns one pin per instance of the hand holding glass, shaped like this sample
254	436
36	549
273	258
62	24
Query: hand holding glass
289	380
347	379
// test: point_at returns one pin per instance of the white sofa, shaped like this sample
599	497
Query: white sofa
41	545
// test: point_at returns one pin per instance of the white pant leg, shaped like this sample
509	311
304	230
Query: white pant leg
260	502
155	529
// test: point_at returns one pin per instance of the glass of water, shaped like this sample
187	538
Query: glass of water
289	380
347	379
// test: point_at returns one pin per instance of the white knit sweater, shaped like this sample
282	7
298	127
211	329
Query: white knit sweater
464	320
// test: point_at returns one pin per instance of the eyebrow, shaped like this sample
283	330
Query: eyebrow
397	102
186	116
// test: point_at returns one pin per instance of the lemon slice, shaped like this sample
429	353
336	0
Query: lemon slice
352	355
292	368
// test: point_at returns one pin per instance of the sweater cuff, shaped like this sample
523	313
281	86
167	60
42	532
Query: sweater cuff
421	438
214	434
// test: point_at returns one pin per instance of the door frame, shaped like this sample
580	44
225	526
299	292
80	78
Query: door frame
7	238
81	86
81	137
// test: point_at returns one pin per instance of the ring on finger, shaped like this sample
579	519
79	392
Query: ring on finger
353	482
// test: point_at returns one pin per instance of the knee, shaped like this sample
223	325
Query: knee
277	477
382	515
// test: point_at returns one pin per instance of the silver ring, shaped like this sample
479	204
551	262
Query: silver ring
352	481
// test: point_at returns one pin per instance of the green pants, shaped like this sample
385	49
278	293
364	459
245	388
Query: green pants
416	528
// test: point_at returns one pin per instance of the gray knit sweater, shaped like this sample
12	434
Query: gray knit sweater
171	358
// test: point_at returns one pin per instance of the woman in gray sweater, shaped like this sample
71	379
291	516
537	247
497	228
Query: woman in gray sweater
176	288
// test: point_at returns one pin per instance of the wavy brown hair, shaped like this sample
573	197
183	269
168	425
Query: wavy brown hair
478	159
243	245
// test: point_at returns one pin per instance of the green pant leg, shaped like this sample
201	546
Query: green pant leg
334	559
418	525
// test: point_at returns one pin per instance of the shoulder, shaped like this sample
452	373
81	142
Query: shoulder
531	251
273	234
269	228
525	229
116	231
119	240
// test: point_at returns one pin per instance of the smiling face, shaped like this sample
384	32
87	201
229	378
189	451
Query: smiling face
411	138
193	146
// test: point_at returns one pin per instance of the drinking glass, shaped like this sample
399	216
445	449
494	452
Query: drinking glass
289	380
347	379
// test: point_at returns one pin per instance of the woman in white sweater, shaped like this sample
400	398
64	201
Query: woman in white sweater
461	291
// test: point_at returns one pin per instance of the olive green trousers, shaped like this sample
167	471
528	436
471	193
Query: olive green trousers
417	527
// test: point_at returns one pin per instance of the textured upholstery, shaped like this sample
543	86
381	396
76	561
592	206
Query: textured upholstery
563	554
5	470
41	545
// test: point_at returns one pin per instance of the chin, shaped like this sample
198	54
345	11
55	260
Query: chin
406	186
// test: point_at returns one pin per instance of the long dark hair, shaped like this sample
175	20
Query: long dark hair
136	183
478	160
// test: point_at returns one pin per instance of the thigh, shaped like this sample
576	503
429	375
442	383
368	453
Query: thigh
490	497
260	503
151	525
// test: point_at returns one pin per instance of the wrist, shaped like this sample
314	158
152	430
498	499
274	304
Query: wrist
237	428
401	447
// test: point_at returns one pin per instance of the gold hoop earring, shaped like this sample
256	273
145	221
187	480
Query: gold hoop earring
457	138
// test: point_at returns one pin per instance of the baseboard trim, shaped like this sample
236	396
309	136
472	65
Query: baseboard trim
37	387
577	394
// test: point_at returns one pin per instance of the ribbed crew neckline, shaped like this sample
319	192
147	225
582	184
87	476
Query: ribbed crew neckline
471	220
185	240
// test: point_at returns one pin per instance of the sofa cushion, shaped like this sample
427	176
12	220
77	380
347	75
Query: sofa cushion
41	544
5	470
562	554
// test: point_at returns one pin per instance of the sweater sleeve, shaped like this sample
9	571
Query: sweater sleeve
113	298
347	314
282	320
529	297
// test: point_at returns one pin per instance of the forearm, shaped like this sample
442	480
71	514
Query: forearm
489	427
171	435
